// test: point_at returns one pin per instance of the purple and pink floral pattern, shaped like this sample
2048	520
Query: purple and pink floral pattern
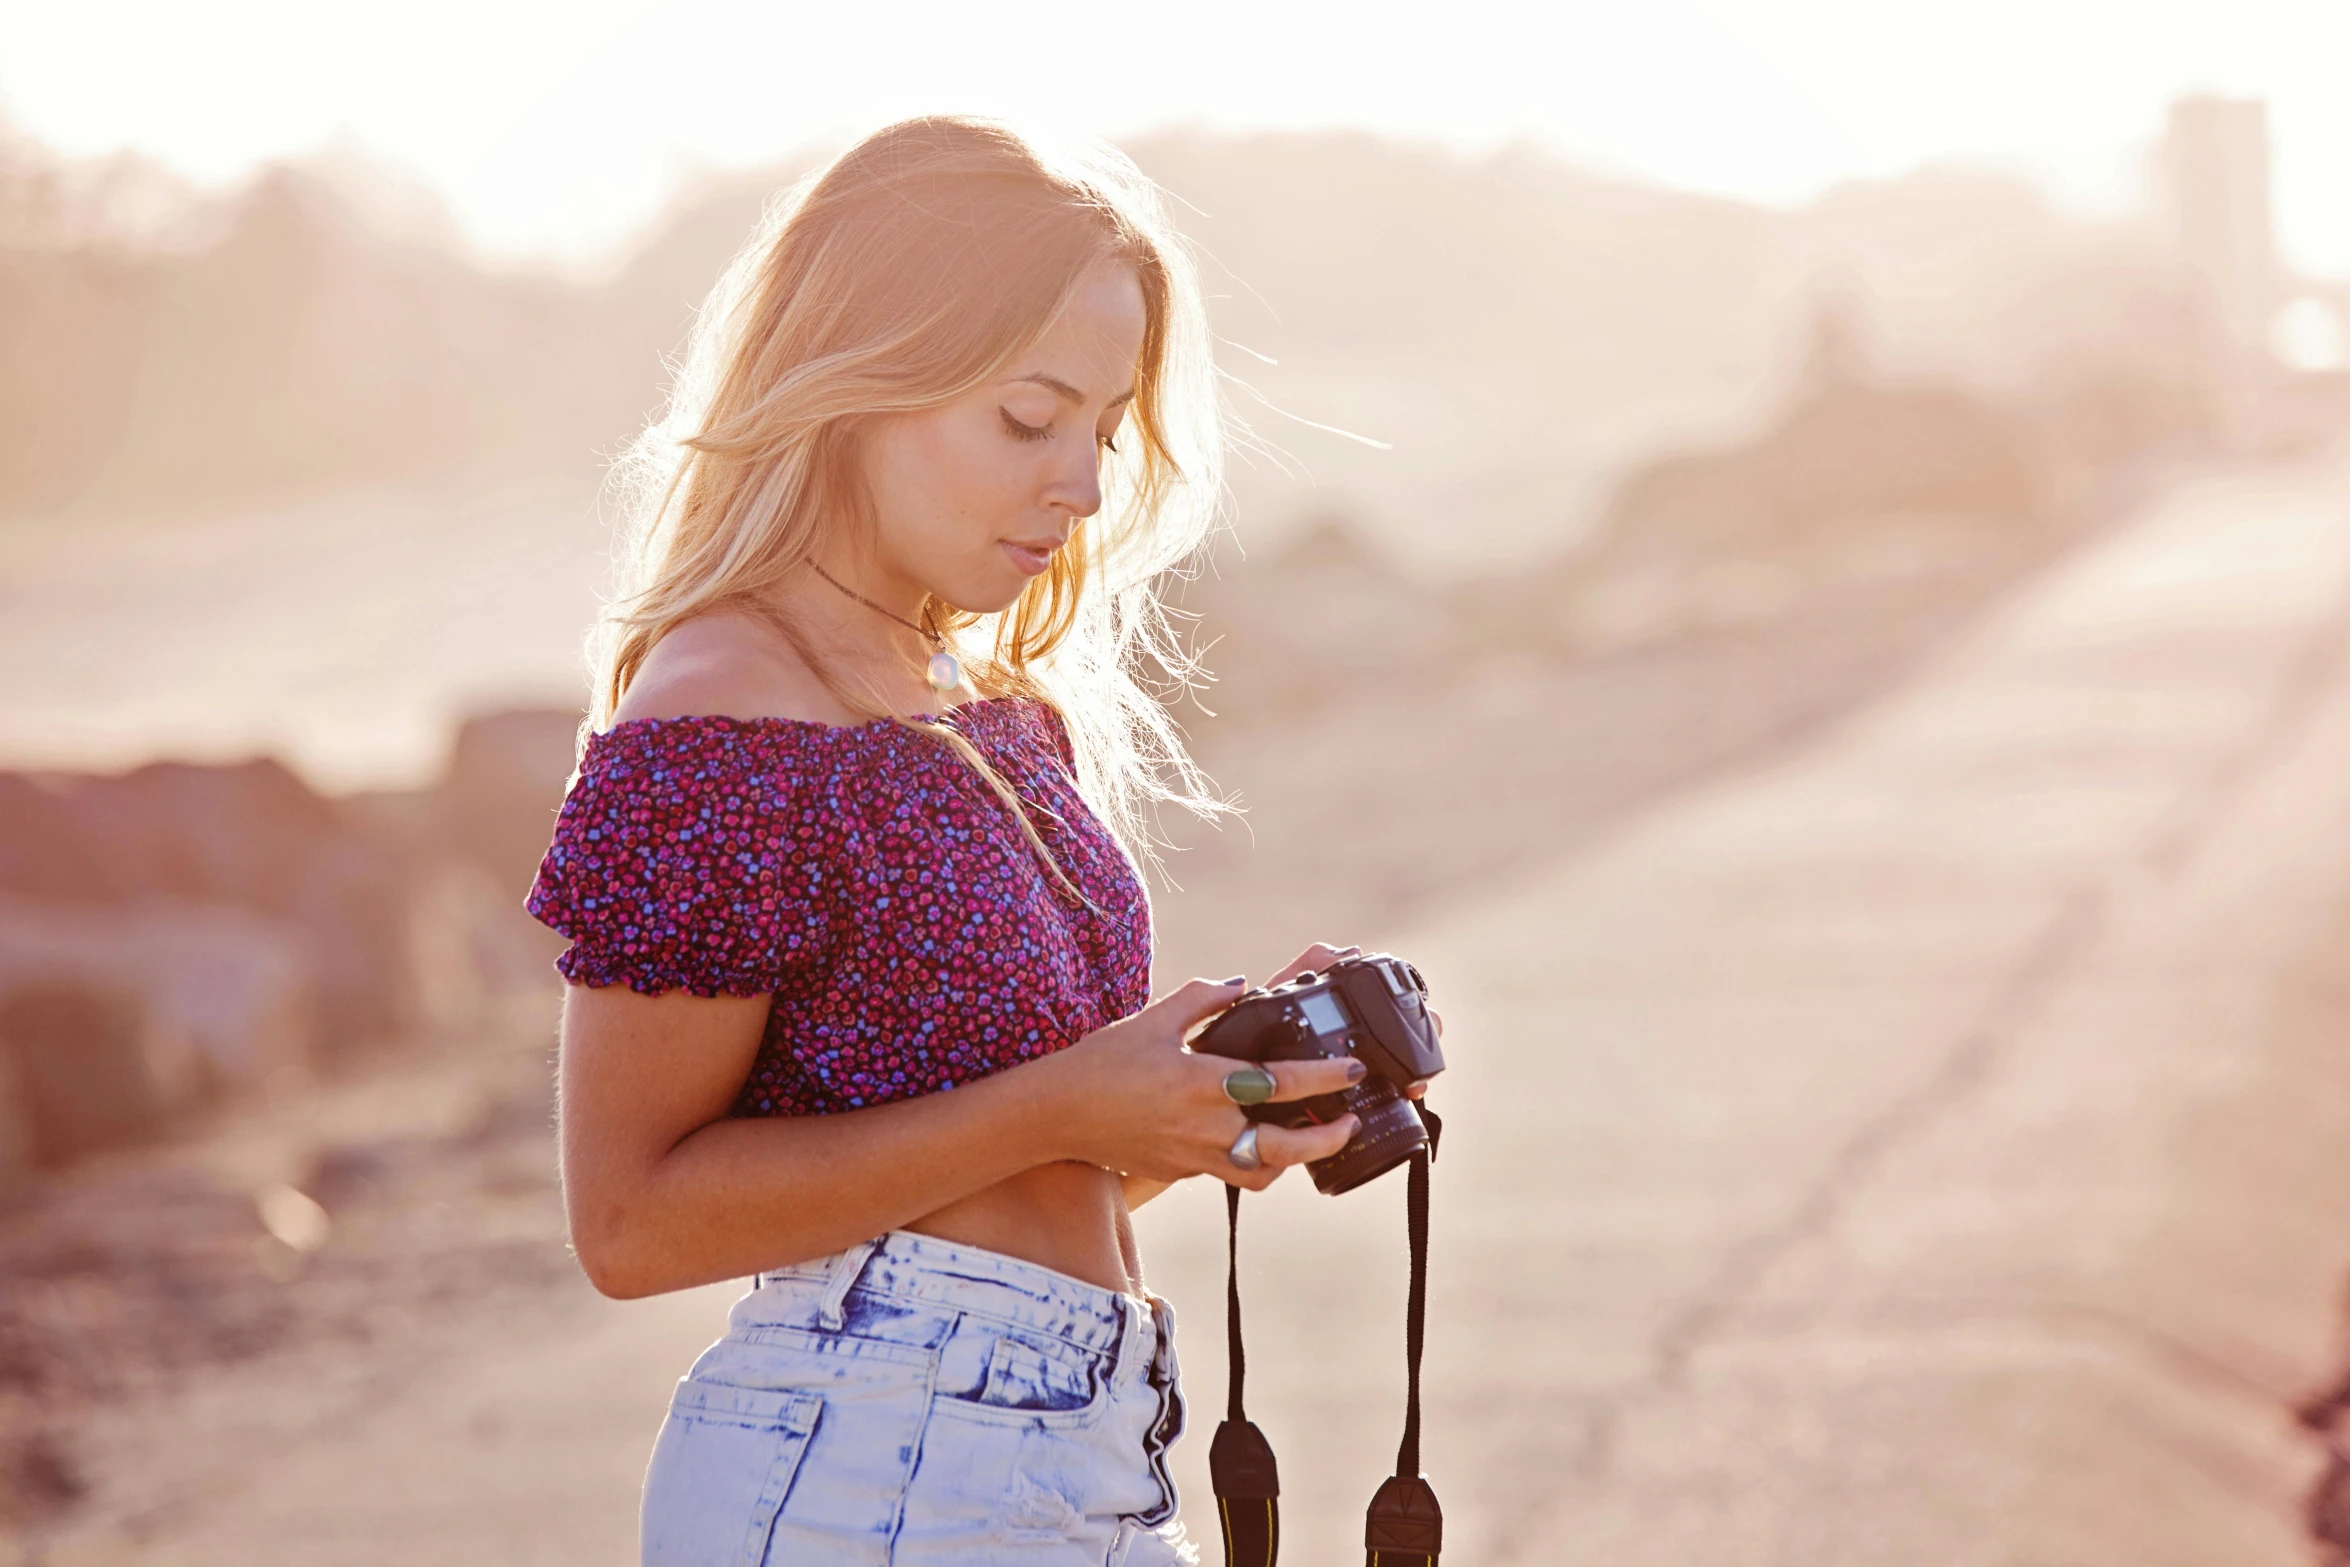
866	879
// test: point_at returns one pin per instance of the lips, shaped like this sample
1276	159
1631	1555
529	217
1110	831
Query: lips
1032	556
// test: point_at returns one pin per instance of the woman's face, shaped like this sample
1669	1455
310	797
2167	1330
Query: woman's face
972	498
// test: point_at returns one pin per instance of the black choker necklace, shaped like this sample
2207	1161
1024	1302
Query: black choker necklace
945	671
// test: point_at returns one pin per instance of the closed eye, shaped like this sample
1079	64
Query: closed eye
1024	432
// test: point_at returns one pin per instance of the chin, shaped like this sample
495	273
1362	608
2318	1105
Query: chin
984	598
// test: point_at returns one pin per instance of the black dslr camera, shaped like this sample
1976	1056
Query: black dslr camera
1374	1008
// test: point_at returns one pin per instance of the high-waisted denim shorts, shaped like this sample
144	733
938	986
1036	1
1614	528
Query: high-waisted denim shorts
911	1401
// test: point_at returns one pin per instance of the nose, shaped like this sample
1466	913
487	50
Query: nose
1075	484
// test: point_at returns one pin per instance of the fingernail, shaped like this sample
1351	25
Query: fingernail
1237	979
1356	1071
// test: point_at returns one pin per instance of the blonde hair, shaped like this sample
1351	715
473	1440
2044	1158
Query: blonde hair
901	277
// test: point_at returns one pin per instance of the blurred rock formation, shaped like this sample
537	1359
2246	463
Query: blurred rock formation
78	1077
1855	486
506	778
1860	497
186	933
247	836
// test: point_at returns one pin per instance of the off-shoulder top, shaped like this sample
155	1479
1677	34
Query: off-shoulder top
866	878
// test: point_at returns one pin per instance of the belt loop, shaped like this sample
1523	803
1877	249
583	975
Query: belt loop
1136	1317
845	1269
1163	1331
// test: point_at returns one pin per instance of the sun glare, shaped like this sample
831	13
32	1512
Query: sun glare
559	130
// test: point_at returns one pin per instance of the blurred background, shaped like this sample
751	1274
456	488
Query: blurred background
1795	558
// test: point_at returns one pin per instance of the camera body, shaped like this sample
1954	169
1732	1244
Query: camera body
1373	1008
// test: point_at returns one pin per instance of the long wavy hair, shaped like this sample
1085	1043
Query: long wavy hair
907	273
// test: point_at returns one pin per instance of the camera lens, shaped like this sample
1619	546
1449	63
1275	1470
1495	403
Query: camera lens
1390	1131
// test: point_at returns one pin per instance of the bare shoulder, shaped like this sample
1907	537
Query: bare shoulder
727	665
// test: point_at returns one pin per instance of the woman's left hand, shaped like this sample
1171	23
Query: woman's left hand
1320	956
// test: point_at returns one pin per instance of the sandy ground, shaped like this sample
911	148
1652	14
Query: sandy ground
1925	1147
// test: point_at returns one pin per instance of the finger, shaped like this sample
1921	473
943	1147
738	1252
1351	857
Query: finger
1313	960
1439	1017
1281	1146
1416	1090
1304	1079
1198	1001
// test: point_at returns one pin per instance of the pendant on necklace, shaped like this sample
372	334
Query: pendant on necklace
946	671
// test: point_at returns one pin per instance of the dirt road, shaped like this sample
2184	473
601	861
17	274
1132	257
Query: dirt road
1930	1148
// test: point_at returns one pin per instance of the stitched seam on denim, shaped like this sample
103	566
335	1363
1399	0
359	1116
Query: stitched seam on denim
789	1418
1104	1398
1084	1419
696	1417
936	1255
907	1247
1005	1357
1045	1286
1104	1384
782	1471
846	1346
782	1475
1091	1375
913	1465
1045	1330
932	1285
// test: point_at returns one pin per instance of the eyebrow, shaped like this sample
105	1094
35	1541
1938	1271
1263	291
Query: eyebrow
1068	393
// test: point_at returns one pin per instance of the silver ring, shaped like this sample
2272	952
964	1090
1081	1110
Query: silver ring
1243	1152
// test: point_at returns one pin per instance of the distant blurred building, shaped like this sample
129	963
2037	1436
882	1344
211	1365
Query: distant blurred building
2216	166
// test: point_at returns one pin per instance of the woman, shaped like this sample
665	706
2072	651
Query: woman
859	962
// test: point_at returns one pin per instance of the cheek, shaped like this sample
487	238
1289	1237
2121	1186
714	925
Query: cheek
966	478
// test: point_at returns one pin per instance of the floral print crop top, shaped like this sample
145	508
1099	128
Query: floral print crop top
866	878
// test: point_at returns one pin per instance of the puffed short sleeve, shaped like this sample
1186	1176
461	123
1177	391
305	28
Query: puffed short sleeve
690	855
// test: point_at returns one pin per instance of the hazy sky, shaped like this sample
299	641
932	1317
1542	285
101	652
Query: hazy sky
556	127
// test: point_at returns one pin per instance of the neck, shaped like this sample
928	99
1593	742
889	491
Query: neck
870	648
918	628
857	573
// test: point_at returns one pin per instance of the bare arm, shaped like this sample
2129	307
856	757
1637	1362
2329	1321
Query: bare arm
664	1190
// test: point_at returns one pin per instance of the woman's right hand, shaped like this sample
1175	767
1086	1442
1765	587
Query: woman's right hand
1134	1098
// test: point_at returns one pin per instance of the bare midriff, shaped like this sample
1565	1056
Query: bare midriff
1067	1216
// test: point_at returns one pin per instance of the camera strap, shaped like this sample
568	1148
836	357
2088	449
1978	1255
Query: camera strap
1240	1461
1404	1526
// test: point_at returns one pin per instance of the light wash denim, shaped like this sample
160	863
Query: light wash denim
912	1401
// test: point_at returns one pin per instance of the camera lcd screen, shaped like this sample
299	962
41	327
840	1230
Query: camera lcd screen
1323	1013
